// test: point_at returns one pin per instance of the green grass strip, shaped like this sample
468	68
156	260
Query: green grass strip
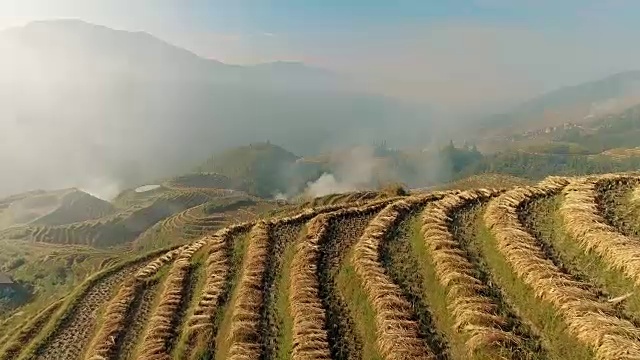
223	318
435	295
363	314
285	320
559	343
592	268
198	279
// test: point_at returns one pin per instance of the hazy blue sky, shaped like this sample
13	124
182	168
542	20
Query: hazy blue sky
473	54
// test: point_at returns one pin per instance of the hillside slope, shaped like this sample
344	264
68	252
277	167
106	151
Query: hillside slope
530	271
262	169
52	208
572	104
113	228
76	206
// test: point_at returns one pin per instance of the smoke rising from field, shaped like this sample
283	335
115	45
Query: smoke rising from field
327	184
280	196
354	170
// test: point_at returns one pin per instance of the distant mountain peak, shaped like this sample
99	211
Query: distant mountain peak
76	37
48	29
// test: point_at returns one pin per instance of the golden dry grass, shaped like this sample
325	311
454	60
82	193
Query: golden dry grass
152	268
202	320
244	335
157	339
492	180
474	312
155	342
590	320
310	339
398	335
104	343
585	224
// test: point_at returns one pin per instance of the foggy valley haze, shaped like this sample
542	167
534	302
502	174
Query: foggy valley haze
87	106
99	98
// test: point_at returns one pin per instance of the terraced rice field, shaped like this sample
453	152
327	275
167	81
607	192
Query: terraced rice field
199	220
115	227
543	271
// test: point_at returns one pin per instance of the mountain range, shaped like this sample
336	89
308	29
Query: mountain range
574	104
86	106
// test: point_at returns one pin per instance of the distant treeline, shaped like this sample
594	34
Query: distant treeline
266	170
465	162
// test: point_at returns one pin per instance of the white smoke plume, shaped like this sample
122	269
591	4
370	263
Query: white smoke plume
354	170
280	196
327	184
